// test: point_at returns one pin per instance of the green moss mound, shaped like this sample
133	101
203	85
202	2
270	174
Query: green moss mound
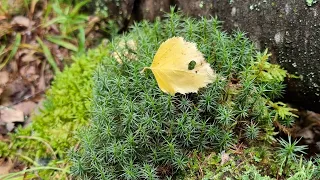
139	132
65	109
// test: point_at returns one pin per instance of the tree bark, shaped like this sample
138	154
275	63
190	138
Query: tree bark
290	29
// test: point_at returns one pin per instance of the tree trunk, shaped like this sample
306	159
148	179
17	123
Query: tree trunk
290	29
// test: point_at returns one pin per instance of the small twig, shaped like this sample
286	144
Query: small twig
24	99
282	128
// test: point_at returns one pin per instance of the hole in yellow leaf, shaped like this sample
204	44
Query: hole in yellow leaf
191	65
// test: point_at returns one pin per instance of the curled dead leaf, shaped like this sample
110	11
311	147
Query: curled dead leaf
26	107
9	115
21	21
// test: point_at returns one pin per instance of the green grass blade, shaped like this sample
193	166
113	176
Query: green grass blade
13	50
62	43
2	51
60	20
48	55
57	9
12	175
82	41
76	9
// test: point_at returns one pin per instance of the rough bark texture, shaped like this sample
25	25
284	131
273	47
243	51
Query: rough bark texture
119	11
151	9
288	28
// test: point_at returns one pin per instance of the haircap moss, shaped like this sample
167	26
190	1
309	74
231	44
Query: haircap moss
137	130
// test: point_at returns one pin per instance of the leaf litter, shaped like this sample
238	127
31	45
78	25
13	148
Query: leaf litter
29	60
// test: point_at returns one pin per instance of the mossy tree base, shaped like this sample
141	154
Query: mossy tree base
139	132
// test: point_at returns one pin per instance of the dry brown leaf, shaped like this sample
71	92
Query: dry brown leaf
14	87
29	73
4	77
5	166
2	17
92	21
26	107
21	21
29	57
9	115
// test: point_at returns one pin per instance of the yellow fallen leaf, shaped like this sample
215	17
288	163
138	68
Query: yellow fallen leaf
172	67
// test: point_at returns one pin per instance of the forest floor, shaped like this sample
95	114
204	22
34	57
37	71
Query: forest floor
37	40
